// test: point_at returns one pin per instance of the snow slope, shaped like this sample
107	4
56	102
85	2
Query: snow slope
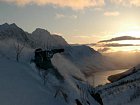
125	91
21	86
21	83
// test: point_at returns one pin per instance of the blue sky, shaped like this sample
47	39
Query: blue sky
81	21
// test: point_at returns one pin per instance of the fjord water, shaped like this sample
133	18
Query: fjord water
100	78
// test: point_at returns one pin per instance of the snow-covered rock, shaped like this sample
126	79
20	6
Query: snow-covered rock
12	31
43	38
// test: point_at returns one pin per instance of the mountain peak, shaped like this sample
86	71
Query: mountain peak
13	25
12	31
40	30
4	25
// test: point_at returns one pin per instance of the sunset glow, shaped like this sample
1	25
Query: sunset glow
134	33
79	22
135	42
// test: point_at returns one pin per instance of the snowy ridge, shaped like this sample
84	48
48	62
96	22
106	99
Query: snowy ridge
40	37
117	77
43	38
124	91
12	31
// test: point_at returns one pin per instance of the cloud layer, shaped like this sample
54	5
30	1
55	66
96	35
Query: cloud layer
120	38
115	13
103	49
74	4
127	2
108	45
59	16
117	45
